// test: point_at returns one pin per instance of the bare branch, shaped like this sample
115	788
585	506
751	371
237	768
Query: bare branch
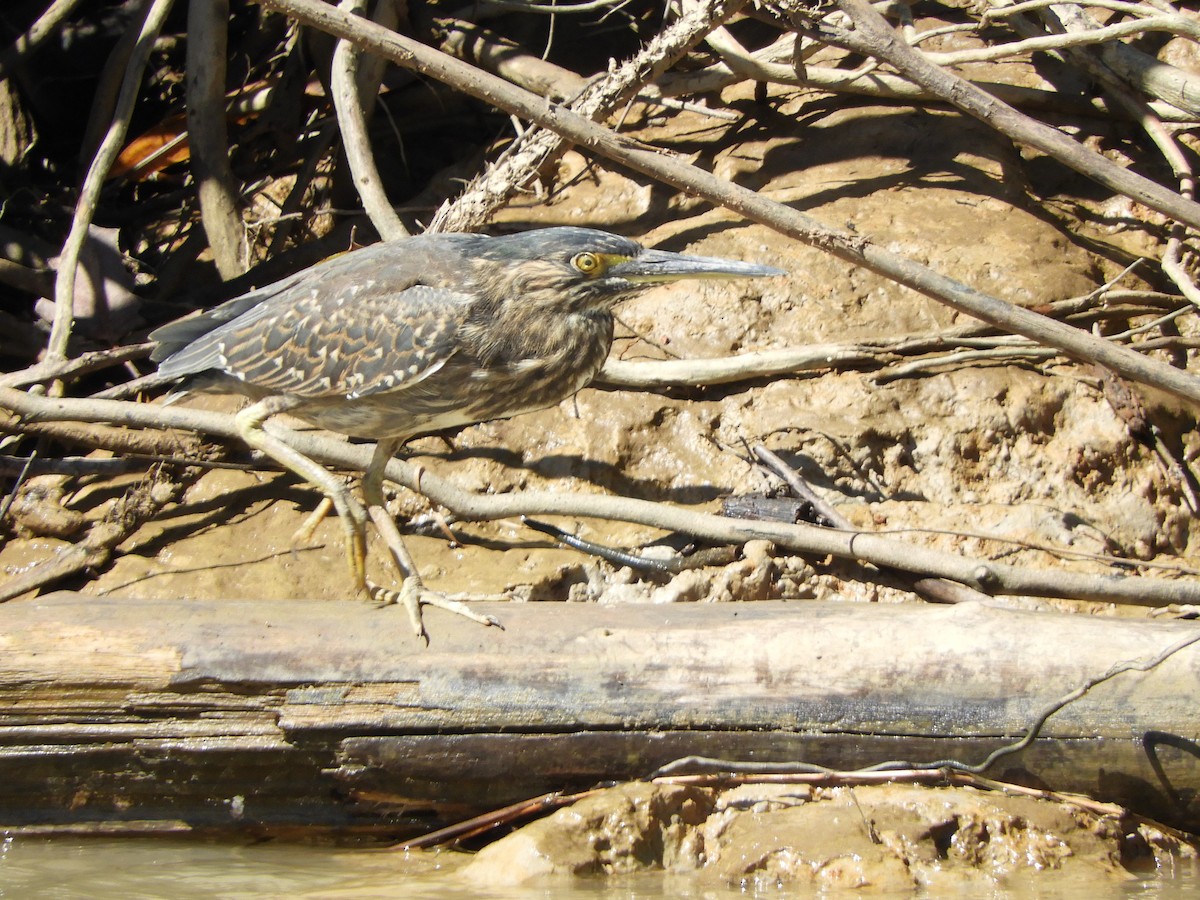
51	369
1148	74
1098	35
938	590
39	282
997	11
208	25
553	9
89	195
1071	18
656	374
983	575
141	503
354	96
42	28
873	36
885	85
598	99
500	56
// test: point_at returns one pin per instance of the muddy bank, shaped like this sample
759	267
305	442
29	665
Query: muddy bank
1022	460
887	837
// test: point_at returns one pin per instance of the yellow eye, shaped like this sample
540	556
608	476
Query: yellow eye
587	263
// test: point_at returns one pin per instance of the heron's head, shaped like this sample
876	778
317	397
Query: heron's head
583	270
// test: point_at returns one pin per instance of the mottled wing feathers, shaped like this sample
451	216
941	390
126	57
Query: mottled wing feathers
175	336
194	345
331	341
356	324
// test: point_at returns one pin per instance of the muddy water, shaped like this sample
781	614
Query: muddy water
132	869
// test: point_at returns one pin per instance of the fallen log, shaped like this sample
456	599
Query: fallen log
267	716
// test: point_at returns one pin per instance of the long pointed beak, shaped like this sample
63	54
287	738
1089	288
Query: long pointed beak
652	266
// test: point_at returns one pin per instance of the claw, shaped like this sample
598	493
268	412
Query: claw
356	554
413	595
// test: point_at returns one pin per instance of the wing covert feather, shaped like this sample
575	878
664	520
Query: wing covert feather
351	347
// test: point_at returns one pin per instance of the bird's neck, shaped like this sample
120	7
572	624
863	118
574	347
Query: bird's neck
577	341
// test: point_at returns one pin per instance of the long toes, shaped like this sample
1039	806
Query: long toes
413	595
441	601
1177	611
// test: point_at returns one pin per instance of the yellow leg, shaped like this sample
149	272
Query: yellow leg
412	594
308	528
353	517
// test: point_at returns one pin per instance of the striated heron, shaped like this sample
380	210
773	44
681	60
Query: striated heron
414	336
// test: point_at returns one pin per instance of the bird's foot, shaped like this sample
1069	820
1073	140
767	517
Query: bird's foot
1177	611
413	595
309	526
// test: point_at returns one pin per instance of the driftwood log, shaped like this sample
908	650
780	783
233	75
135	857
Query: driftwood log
136	715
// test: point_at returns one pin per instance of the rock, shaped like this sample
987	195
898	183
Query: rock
626	829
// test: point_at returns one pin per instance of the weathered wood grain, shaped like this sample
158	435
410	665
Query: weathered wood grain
134	714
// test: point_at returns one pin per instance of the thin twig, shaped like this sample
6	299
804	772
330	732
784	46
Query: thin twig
1039	721
139	504
89	195
790	361
496	54
1052	549
1074	20
895	767
92	361
461	831
293	207
655	374
36	281
713	556
1146	73
595	101
149	442
553	8
1169	24
24	470
886	85
1004	12
840	778
26	44
1006	355
354	97
76	466
873	36
939	590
